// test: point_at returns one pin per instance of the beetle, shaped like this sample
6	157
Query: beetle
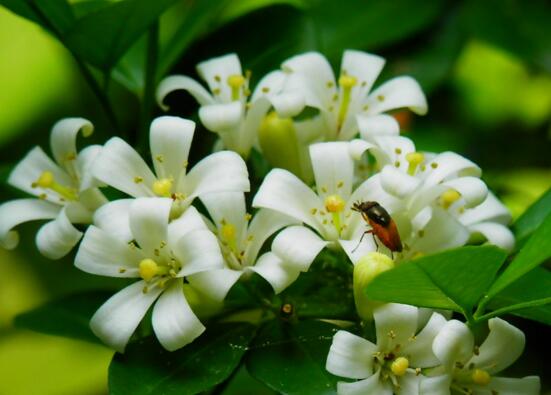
382	225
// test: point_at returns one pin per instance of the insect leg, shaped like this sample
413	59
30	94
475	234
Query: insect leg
361	238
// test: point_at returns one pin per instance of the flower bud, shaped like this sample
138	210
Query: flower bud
365	270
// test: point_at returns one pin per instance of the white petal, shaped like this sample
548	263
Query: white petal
101	253
355	249
284	192
64	135
472	189
398	183
310	129
454	343
149	221
187	222
221	117
56	238
223	171
215	283
491	210
529	385
333	168
450	164
399	92
229	208
421	219
438	385
392	150
16	212
409	383
119	164
270	85
496	234
118	318
376	125
442	232
182	82
364	66
170	139
264	224
420	349
288	104
298	246
395	318
274	270
248	132
370	386
31	167
350	356
216	71
358	147
502	347
113	217
174	322
198	251
85	161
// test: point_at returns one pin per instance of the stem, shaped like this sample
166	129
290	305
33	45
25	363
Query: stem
518	306
149	84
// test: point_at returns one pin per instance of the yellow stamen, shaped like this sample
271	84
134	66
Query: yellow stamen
235	82
47	181
414	159
334	204
148	269
346	82
449	197
228	234
399	366
162	187
481	377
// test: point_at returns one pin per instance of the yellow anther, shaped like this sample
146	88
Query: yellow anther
228	232
414	159
235	82
399	366
334	204
481	377
148	269
46	180
137	180
449	197
162	187
347	81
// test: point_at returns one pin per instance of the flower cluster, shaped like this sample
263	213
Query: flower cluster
343	172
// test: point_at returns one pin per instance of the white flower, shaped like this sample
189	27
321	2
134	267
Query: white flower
65	189
167	253
472	369
121	167
226	109
328	210
241	237
394	364
341	102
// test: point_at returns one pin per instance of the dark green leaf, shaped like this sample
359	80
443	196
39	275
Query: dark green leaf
454	279
54	15
68	317
290	358
536	251
147	369
529	221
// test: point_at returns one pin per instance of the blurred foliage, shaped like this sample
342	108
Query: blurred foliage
485	66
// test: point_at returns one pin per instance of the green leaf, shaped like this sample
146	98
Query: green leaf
68	316
55	15
532	288
146	368
536	251
529	221
454	279
290	358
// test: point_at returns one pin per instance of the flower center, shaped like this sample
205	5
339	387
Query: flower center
157	272
481	377
230	249
346	82
392	367
163	187
235	82
414	159
47	181
399	366
334	204
449	197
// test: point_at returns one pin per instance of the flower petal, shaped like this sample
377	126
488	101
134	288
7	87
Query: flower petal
216	71
182	82
491	210
437	385
442	232
113	217
215	283
274	270
496	234
84	163
118	318
350	356
221	117
148	220
355	249
284	192
409	383
420	348
370	386
227	208
529	385
121	167
223	171
170	139
472	189
56	238
395	323
16	212
333	168
102	254
399	92
187	222
502	347
450	164
198	251
454	343
376	125
298	246
174	322
365	67
63	138
398	183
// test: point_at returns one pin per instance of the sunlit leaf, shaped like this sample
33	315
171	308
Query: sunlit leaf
529	221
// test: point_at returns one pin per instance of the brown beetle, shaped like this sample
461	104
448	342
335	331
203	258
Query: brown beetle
382	224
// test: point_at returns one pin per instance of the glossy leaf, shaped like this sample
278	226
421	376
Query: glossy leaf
454	279
290	358
68	317
146	368
529	221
